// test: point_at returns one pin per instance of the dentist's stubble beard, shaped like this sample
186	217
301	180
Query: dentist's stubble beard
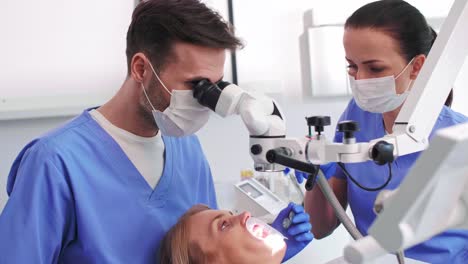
155	93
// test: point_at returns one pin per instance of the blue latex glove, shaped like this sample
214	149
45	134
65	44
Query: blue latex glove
327	169
298	232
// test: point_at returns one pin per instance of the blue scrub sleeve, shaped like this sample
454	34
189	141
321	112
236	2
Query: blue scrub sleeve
339	174
38	219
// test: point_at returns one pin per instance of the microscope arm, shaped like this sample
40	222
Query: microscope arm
266	125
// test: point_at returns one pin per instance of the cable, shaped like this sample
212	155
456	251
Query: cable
400	254
367	188
401	257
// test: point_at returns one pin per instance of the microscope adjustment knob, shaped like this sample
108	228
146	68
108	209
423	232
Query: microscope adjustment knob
382	153
318	122
256	149
348	127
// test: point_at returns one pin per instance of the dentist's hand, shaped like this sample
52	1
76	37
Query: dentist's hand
294	224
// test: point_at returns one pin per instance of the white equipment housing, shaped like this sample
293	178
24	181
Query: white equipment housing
255	198
432	198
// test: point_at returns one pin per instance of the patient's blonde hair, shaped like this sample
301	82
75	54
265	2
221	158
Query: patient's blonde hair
176	247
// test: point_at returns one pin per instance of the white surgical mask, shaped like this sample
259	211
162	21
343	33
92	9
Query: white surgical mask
378	95
183	117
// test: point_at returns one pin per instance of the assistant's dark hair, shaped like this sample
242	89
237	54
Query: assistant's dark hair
403	22
157	24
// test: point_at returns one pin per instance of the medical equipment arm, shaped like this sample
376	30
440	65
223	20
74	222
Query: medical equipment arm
432	198
261	115
423	105
269	146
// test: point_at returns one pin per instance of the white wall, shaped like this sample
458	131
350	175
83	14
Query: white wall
57	55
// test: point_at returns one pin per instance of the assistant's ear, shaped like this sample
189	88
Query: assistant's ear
138	71
418	63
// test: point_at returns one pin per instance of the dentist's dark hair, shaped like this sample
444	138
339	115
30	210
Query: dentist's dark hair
401	21
157	24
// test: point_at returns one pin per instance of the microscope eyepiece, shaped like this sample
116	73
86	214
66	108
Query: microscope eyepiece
206	93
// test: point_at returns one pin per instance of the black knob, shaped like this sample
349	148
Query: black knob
318	122
348	127
206	93
382	153
256	149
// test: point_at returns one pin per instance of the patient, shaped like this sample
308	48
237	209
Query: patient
204	235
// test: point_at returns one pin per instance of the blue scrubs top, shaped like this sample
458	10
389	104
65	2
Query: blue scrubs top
75	197
448	247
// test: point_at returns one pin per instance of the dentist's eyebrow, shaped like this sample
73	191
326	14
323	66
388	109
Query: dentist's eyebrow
199	78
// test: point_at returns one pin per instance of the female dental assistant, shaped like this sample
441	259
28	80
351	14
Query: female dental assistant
386	44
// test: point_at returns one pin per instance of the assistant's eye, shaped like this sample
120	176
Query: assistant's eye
224	225
352	69
376	69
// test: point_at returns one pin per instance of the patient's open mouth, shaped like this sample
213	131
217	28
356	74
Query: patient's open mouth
265	233
259	231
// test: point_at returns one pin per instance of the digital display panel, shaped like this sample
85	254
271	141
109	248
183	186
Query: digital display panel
250	190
